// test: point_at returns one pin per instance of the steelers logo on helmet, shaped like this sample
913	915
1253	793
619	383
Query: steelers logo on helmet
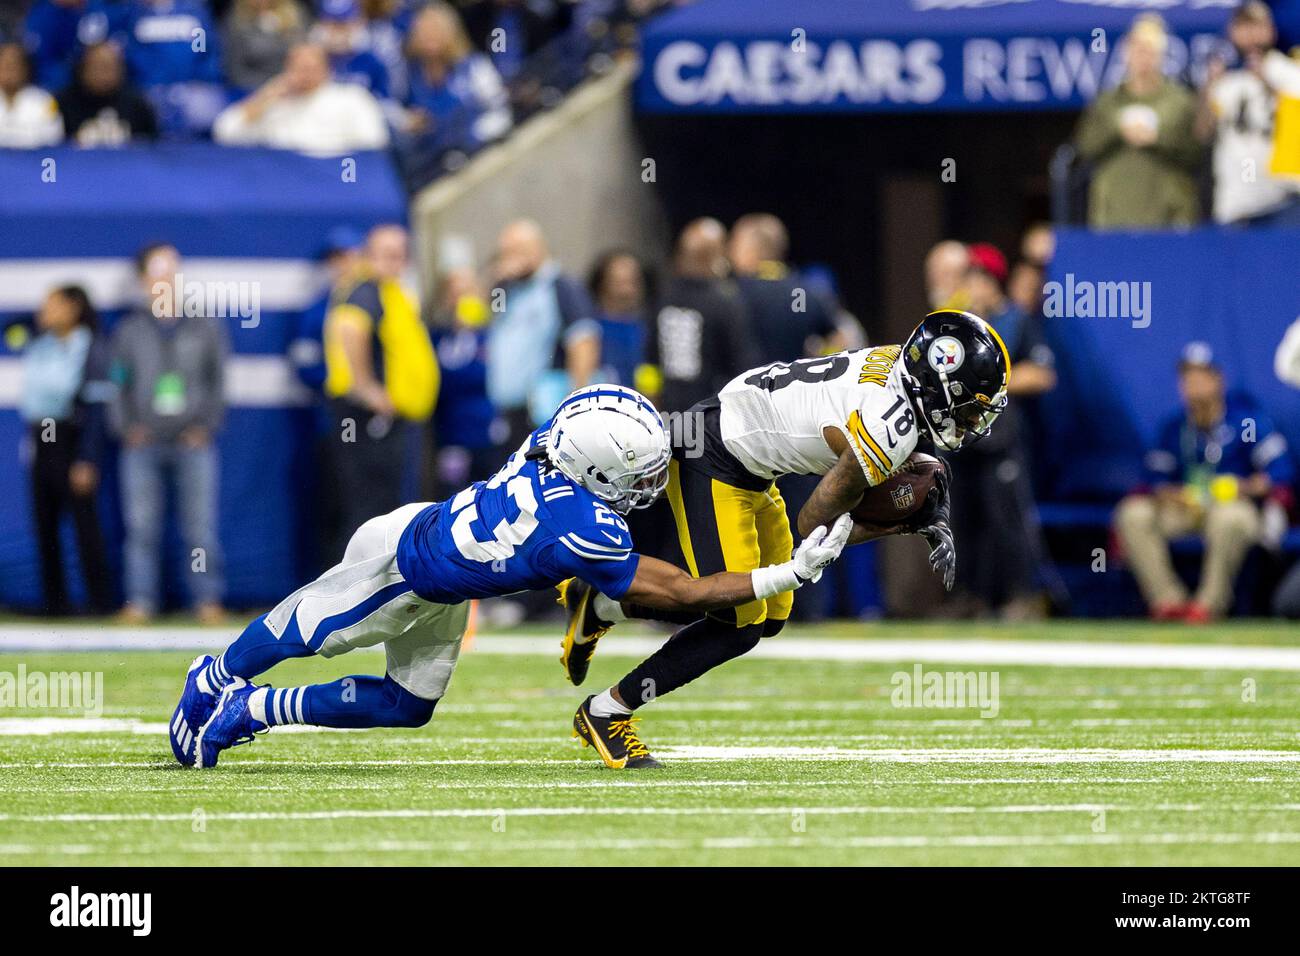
952	358
946	354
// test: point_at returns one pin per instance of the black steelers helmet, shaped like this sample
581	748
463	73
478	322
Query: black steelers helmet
957	368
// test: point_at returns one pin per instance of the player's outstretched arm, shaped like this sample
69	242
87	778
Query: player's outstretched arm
665	586
659	584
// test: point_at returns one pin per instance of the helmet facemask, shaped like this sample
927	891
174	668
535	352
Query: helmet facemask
956	371
633	487
642	488
955	421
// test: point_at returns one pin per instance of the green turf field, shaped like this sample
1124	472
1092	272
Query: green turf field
799	761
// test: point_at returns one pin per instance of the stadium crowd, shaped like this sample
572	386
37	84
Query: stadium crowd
473	371
434	81
498	349
1146	139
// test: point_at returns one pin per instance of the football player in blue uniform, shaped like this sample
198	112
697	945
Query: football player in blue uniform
554	511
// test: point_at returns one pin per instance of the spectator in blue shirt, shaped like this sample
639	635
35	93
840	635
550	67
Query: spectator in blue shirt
387	23
173	53
340	256
465	424
54	33
456	99
341	30
1214	463
169	41
63	403
512	30
790	321
544	340
618	286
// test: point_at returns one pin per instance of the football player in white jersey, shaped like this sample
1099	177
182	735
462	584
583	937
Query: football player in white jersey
852	417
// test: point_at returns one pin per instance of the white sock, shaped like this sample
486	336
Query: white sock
214	678
257	704
274	706
604	705
608	609
205	686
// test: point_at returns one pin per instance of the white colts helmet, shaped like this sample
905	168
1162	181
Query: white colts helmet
611	441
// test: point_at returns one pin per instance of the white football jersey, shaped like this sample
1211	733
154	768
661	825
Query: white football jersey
772	417
1245	108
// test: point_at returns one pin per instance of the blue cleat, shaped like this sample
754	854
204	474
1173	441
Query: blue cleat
229	726
191	713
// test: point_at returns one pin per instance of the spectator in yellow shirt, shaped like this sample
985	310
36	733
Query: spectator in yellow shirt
381	373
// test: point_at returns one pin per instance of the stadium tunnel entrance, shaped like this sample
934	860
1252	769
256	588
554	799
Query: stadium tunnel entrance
871	220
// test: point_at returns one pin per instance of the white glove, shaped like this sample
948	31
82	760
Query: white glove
815	553
820	548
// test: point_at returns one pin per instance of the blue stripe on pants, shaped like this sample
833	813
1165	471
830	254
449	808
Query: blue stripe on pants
345	619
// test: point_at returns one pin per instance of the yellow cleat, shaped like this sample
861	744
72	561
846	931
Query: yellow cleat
583	630
614	738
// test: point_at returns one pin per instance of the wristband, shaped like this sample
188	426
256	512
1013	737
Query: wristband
778	579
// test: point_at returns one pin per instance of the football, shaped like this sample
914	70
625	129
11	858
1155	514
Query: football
900	495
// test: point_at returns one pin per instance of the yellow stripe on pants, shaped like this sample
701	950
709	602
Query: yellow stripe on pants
754	531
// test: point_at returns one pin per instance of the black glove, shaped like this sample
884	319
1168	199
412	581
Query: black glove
931	521
943	553
934	509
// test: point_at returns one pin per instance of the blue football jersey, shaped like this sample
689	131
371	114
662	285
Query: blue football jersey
527	527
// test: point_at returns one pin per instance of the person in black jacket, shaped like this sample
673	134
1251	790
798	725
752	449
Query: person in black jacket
100	108
790	320
700	337
64	391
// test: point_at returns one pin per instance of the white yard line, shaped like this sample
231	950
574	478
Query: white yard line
590	810
501	843
982	754
713	754
58	726
55	726
195	785
975	651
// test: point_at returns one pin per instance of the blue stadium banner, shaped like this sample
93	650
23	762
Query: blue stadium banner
1120	309
252	219
745	56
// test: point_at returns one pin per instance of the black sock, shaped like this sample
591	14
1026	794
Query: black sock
690	653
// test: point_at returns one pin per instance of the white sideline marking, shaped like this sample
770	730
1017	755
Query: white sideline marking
51	726
968	755
475	812
649	784
981	754
502	845
940	650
